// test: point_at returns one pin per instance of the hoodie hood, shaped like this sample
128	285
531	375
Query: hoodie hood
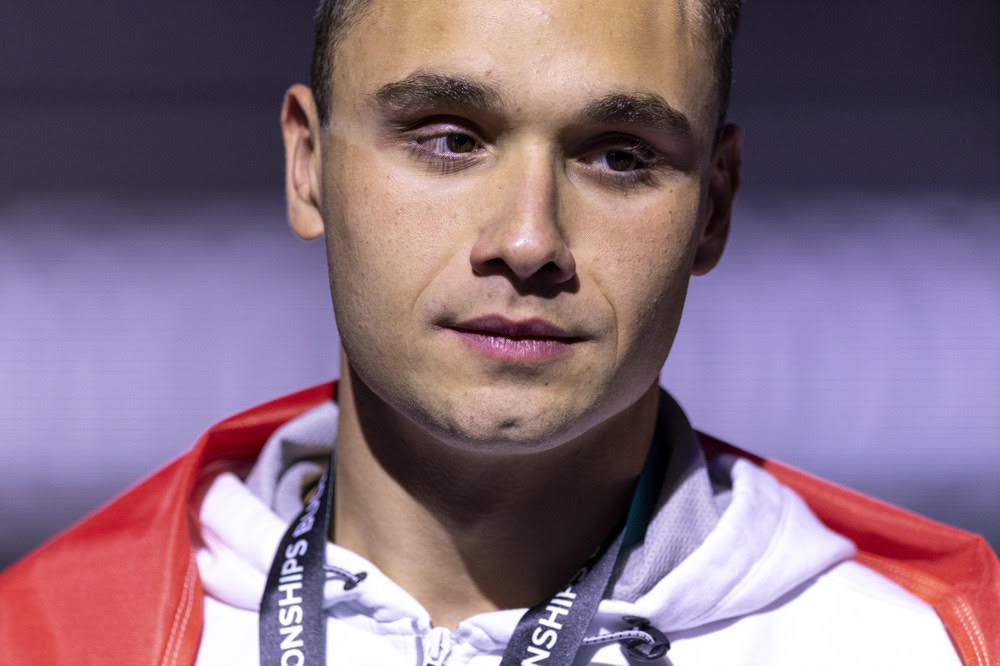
765	545
729	517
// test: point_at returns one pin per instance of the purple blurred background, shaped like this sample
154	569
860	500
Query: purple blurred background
149	287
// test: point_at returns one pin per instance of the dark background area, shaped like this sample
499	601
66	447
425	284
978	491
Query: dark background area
114	95
148	287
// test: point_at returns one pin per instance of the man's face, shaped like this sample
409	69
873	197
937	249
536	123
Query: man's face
514	197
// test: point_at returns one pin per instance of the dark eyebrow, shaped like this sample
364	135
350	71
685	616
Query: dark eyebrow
637	109
423	90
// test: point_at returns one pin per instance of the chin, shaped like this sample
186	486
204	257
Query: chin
497	424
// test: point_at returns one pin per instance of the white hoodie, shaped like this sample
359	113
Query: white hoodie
735	570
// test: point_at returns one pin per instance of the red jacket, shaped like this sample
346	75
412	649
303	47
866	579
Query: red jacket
122	587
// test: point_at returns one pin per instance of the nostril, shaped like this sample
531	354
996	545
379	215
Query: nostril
526	247
558	273
552	268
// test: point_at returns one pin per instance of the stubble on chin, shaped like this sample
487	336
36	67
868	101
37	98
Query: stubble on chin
499	421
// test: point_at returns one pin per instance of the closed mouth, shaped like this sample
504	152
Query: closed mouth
527	329
527	340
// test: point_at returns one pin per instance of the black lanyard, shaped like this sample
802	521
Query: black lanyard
293	624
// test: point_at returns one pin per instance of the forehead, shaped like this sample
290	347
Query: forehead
545	55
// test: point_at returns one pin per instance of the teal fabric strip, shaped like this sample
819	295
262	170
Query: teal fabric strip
647	492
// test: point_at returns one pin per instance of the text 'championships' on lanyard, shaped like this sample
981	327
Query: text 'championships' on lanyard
293	624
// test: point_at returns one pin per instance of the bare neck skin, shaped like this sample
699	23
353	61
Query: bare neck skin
466	533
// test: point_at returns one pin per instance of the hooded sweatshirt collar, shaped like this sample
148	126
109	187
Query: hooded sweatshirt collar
725	539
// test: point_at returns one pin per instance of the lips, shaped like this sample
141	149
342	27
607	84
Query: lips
527	340
501	326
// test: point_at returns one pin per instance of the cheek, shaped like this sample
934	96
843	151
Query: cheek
643	270
387	238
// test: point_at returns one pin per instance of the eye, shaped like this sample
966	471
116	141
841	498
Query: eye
622	160
451	143
460	143
444	146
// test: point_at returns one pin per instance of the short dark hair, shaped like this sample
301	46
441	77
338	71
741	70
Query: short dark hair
720	19
333	18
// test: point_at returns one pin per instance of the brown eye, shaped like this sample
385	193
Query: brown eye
620	160
460	143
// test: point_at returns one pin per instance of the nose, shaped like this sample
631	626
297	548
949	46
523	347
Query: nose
522	236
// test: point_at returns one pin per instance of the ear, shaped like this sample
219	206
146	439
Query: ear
723	182
301	132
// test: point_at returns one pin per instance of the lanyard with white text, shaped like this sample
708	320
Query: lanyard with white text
293	623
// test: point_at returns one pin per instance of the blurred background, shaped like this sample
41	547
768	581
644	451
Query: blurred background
149	286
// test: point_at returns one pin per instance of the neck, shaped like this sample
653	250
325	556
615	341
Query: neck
467	533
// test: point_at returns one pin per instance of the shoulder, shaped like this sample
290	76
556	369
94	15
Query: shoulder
848	614
910	573
121	586
860	612
124	569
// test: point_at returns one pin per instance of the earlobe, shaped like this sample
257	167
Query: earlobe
301	133
724	180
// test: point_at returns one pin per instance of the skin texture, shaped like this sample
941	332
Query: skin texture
491	158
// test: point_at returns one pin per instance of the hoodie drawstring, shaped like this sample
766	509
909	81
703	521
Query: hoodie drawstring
643	642
351	580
